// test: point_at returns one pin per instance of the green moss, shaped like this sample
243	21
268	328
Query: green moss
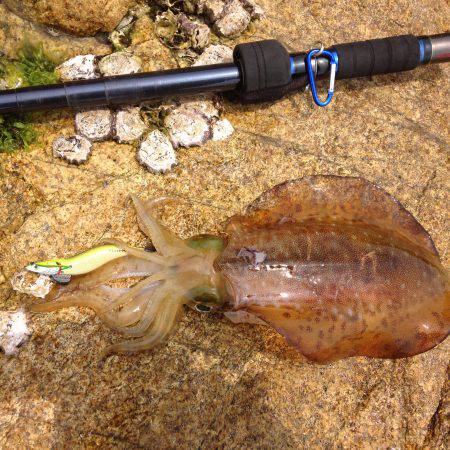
36	66
16	132
32	67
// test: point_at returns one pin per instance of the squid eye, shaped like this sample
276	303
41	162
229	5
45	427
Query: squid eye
203	308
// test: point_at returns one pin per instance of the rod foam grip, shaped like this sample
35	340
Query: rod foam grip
377	56
265	69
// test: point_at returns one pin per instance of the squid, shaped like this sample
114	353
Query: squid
334	264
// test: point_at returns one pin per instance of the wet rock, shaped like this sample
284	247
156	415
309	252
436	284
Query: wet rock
156	152
82	67
215	54
16	31
96	125
129	125
82	17
146	45
187	127
122	36
234	19
31	283
75	149
221	130
197	32
14	331
119	63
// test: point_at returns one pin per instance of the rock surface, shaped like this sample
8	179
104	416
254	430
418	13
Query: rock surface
216	384
82	17
15	31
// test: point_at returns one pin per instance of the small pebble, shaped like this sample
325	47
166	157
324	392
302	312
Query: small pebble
31	283
187	127
129	125
96	125
212	9
234	20
198	32
14	331
215	54
75	149
156	152
256	12
221	130
82	67
120	63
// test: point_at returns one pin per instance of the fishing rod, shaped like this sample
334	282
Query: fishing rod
261	71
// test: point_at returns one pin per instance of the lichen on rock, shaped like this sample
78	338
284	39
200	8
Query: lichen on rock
156	152
74	149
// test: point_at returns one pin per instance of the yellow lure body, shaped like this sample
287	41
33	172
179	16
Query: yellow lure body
84	262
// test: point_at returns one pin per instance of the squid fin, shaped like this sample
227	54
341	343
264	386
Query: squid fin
328	198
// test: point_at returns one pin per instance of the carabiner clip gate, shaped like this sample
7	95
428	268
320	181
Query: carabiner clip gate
311	76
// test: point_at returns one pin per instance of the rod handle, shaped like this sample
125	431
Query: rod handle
378	56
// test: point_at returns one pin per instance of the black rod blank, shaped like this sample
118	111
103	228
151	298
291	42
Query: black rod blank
137	88
122	89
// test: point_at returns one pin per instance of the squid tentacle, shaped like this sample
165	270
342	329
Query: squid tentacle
148	315
165	242
161	328
127	296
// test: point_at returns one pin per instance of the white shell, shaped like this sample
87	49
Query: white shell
156	152
81	67
129	125
74	149
14	331
215	54
96	125
120	63
31	283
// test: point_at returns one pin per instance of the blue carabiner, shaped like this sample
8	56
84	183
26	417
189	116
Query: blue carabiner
312	81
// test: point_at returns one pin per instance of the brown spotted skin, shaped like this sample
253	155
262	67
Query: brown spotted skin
339	268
